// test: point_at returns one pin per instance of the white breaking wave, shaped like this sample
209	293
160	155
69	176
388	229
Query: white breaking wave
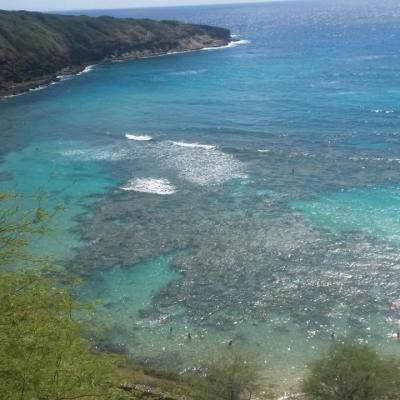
86	69
140	138
238	43
60	78
150	185
194	164
11	95
171	53
64	77
234	43
195	145
378	111
201	164
41	87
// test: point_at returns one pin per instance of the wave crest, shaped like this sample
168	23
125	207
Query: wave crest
139	138
195	145
150	185
233	43
86	70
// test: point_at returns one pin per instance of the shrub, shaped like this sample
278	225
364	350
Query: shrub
353	372
231	378
43	351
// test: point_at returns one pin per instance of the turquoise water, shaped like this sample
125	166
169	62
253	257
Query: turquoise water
45	179
373	210
255	198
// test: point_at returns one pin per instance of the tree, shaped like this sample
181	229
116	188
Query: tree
231	378
15	227
44	354
350	371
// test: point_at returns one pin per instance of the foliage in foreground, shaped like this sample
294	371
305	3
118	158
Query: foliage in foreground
43	351
17	227
231	378
353	372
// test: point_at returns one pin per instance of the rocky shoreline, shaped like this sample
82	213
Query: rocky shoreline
61	45
35	84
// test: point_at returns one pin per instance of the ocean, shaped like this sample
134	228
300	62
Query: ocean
247	194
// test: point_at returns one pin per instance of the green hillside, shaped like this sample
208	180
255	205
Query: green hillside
35	46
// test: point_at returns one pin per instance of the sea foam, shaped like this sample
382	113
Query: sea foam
86	70
380	111
139	138
234	43
201	164
238	43
150	185
195	145
40	87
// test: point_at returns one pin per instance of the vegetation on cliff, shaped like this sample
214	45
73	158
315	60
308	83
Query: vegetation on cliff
35	45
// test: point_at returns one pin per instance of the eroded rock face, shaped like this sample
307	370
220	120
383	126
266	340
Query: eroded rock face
56	44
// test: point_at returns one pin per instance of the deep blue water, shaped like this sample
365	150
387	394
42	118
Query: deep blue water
282	227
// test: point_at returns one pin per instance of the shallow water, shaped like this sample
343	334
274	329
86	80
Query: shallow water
247	194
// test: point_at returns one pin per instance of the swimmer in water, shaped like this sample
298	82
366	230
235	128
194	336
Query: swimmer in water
230	343
189	337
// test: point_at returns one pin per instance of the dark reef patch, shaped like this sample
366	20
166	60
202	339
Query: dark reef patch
247	255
